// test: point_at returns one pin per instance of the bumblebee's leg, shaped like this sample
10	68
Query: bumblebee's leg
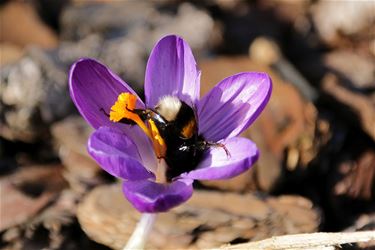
216	145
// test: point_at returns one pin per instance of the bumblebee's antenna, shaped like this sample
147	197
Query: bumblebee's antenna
102	110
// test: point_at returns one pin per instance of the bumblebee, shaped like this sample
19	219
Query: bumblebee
172	127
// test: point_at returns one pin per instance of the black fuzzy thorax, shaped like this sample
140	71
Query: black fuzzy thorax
183	154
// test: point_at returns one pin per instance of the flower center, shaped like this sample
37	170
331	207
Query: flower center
172	128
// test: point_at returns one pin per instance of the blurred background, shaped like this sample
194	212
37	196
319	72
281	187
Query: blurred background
316	136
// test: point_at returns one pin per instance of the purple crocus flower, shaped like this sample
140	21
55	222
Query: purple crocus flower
127	152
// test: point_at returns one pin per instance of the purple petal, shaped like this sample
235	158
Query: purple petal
172	70
151	197
232	105
94	89
216	164
117	154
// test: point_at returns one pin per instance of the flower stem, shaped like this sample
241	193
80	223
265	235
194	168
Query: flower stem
161	171
139	237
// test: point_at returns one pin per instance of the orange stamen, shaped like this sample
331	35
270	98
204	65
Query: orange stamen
124	107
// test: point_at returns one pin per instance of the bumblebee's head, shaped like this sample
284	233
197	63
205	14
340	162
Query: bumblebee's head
169	107
178	113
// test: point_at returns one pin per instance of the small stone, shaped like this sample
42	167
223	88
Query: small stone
11	234
349	18
32	96
360	70
264	51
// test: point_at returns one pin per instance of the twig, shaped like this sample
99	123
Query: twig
307	241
